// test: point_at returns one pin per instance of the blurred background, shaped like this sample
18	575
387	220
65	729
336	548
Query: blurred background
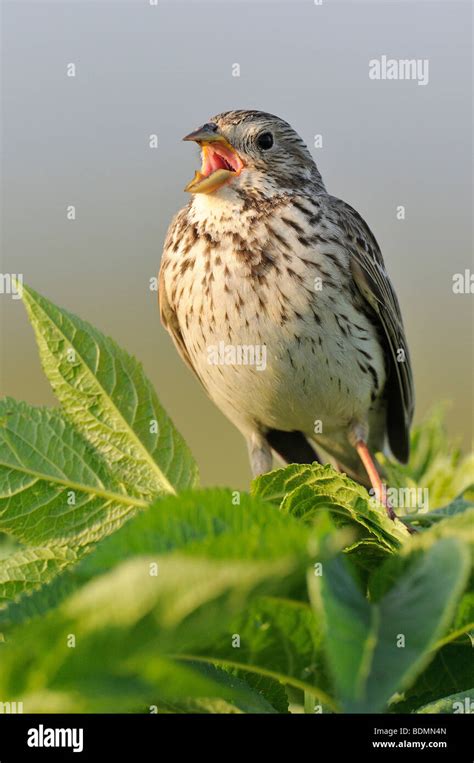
144	69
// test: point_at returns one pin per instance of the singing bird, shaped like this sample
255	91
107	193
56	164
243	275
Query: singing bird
264	258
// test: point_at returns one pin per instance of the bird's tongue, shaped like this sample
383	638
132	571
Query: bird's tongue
213	162
217	158
219	164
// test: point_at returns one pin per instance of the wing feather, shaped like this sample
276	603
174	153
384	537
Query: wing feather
373	282
168	315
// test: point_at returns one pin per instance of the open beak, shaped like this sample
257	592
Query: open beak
220	161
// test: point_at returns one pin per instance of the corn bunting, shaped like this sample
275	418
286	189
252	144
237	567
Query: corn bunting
277	297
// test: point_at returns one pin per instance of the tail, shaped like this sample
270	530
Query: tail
293	447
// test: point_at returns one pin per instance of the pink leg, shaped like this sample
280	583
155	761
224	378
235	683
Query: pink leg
374	477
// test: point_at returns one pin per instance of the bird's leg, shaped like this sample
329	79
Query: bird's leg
377	484
260	454
374	477
358	435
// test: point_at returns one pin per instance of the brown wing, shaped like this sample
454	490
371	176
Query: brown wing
372	280
168	314
169	320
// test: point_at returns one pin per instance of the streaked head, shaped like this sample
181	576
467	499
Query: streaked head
252	150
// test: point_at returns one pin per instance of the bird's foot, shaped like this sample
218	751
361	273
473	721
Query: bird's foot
383	499
377	484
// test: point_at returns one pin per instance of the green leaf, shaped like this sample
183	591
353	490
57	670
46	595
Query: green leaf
278	638
8	545
189	597
365	651
462	503
30	568
305	490
200	523
43	595
209	523
459	526
462	702
172	688
463	623
451	671
237	695
130	626
106	394
272	690
54	488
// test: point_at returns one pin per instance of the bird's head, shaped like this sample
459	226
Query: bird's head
244	151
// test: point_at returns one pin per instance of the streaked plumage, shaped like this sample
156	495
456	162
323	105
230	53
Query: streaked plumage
239	266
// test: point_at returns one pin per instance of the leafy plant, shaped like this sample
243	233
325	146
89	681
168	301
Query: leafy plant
126	587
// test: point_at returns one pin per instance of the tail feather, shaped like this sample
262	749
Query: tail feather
293	447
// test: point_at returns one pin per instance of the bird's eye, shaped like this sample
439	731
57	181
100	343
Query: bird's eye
265	141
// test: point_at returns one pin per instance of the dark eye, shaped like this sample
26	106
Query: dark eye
265	141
